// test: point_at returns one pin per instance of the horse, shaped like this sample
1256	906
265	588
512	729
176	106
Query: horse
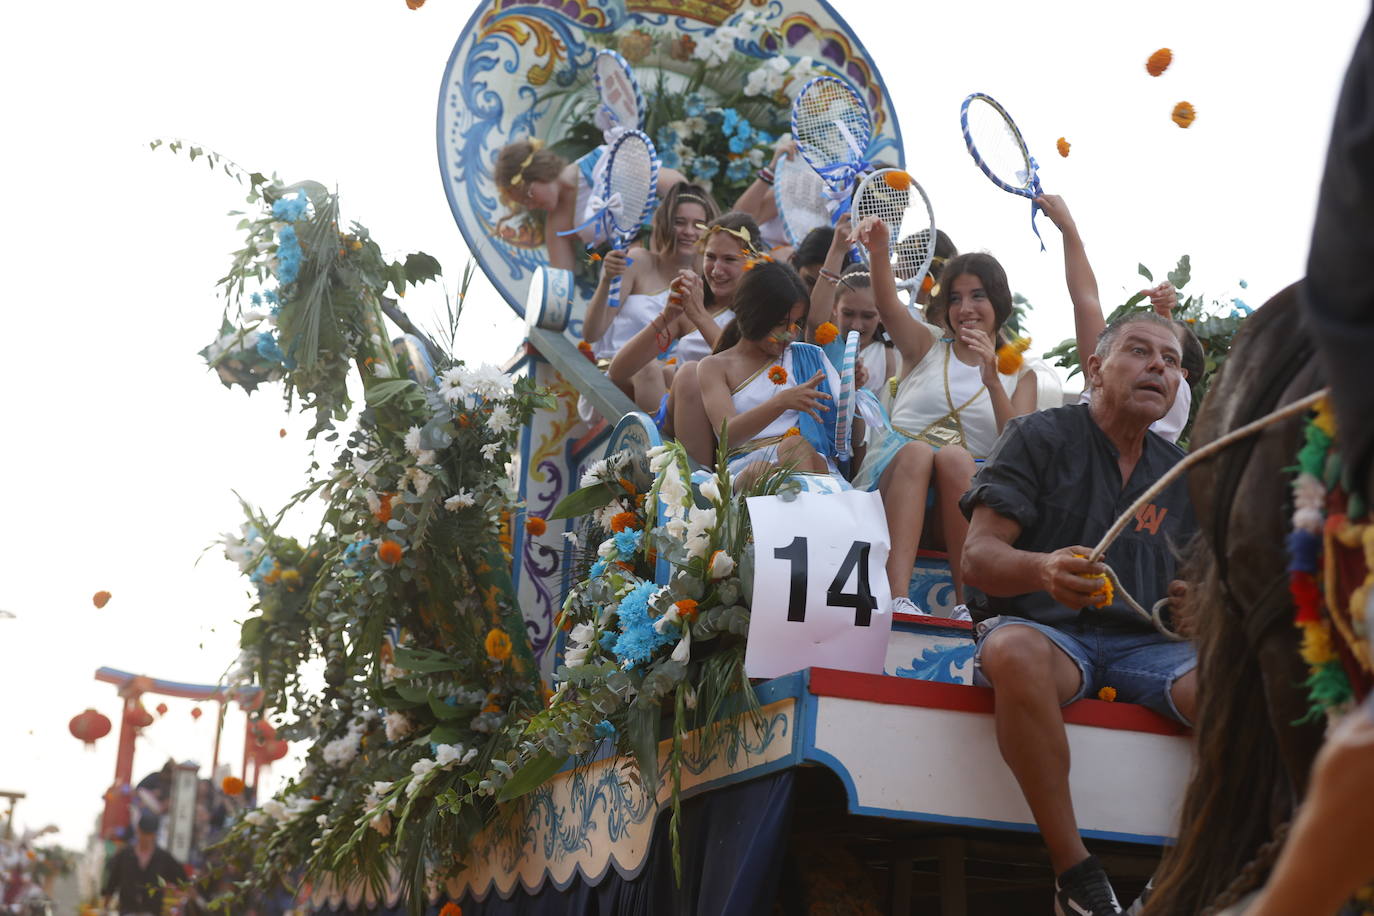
1253	754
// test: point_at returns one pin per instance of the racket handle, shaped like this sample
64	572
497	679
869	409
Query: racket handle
613	297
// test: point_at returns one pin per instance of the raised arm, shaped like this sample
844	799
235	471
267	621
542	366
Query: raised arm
599	316
645	346
1088	320
757	199
823	293
912	338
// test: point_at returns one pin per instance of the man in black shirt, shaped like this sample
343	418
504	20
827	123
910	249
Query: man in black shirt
139	871
1055	482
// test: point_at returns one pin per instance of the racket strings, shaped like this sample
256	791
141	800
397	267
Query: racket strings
830	124
800	196
998	144
630	175
909	221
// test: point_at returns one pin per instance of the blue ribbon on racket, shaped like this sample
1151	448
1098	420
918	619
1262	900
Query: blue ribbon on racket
841	178
601	213
1036	191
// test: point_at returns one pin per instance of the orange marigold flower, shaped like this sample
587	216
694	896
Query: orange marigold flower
791	431
593	257
671	361
897	180
463	420
687	609
1108	694
498	645
628	487
749	264
390	552
535	525
1184	115
777	375
100	599
586	350
450	908
1009	359
383	513
622	520
1063	147
927	284
826	333
491	707
281	434
231	785
1159	62
1103	596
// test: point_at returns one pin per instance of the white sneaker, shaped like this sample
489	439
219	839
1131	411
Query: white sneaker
960	612
904	605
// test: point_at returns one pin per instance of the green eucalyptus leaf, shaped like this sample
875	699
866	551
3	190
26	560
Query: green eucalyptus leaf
580	502
1145	272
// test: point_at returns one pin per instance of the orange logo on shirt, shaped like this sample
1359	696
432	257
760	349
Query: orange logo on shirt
1150	517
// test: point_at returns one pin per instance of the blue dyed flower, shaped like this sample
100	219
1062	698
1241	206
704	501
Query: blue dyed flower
729	120
607	640
270	295
694	106
598	568
737	170
665	138
353	553
288	255
604	729
269	349
669	158
638	640
627	541
740	144
256	299
1241	306
264	569
704	168
290	208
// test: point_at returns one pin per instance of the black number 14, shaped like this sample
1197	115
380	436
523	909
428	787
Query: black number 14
861	600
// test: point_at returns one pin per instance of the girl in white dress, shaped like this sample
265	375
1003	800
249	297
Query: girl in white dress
772	394
645	278
535	178
950	406
856	310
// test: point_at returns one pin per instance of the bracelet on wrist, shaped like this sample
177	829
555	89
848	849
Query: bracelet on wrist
766	175
828	274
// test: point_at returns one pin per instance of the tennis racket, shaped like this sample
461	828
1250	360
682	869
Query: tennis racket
629	198
901	203
833	128
999	149
621	102
800	196
844	404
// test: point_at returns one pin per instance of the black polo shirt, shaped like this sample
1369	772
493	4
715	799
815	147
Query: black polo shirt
140	889
1055	473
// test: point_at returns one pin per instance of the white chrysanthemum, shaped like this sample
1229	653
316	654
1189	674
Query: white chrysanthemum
460	500
594	474
722	564
412	441
398	725
446	754
374	502
274	809
489	381
491	450
258	818
342	750
425	456
417	480
500	419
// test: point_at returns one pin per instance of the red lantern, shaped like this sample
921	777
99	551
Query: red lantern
260	732
195	712
138	717
90	726
162	709
268	752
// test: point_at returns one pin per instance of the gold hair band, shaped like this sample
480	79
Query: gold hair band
535	145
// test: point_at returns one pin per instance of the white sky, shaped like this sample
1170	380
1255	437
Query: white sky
121	451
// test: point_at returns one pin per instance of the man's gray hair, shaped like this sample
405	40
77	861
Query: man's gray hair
1112	331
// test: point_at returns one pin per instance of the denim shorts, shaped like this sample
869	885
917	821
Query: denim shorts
1141	666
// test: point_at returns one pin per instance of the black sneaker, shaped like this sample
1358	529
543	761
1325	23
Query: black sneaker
1085	891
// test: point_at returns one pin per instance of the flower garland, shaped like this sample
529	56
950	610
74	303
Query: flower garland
1327	684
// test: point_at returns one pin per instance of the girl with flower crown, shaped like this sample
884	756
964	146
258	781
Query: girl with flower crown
950	405
535	178
699	307
646	279
771	394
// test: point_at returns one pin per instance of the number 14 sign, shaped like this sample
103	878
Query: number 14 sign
821	597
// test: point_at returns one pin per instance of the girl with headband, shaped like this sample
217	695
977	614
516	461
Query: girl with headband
535	178
647	276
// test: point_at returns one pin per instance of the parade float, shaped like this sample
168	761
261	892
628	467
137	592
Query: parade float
527	649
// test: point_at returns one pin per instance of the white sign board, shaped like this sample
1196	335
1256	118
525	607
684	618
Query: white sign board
821	597
181	822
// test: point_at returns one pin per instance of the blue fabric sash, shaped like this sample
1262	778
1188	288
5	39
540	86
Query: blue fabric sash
807	360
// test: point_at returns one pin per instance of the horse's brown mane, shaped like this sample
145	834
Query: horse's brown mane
1252	762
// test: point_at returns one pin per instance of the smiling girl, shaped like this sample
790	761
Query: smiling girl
856	310
771	393
949	408
646	276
